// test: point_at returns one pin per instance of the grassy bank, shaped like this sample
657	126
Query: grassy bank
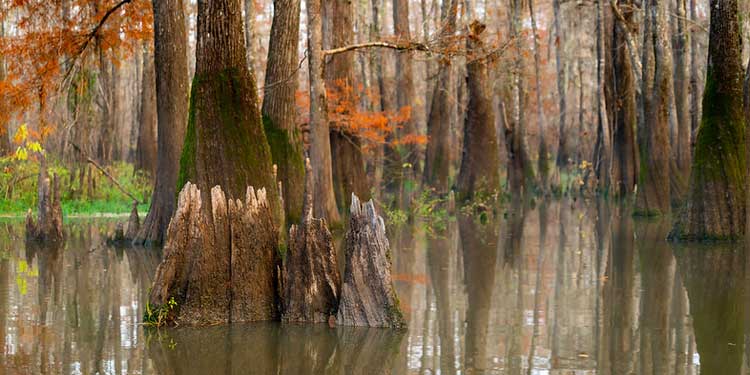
96	194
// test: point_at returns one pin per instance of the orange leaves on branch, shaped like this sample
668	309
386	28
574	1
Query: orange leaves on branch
345	113
44	39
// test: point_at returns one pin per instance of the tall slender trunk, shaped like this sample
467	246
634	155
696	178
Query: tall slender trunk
563	152
146	144
437	158
695	102
251	38
653	194
346	146
715	205
543	162
4	133
171	68
603	147
320	146
279	106
682	91
624	152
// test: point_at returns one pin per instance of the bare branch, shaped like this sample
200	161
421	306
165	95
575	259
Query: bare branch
409	46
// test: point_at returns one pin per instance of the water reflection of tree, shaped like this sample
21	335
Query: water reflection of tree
441	249
479	242
714	276
657	275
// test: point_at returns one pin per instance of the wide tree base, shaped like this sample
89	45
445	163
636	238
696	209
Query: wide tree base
49	223
218	267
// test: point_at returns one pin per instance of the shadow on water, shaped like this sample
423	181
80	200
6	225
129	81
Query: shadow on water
563	287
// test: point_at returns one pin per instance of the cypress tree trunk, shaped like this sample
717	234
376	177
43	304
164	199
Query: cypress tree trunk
347	160
4	134
715	207
279	109
171	68
146	145
405	92
479	173
225	143
653	193
320	146
563	152
682	92
624	153
437	157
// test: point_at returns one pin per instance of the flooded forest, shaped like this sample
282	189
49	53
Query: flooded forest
374	187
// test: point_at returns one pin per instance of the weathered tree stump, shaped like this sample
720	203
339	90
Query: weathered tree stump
217	268
367	294
48	226
310	275
124	235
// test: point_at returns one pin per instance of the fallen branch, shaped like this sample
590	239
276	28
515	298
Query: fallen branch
104	172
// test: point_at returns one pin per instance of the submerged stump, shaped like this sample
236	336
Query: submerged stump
310	274
48	226
218	267
367	295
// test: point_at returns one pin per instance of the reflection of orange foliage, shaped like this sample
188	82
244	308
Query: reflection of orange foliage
373	127
42	38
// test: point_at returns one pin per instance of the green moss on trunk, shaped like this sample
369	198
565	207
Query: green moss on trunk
291	167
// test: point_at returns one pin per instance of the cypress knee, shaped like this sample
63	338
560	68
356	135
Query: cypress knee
367	295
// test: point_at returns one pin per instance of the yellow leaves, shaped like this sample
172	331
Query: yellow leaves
21	134
21	153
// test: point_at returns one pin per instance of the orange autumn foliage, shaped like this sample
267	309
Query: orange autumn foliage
47	40
345	113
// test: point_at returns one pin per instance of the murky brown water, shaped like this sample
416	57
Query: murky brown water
564	288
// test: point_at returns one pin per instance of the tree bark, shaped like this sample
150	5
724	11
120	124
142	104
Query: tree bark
603	147
367	294
437	157
347	161
653	197
310	279
4	131
219	268
279	106
563	152
624	153
479	172
171	68
715	207
146	158
225	144
320	146
542	157
682	92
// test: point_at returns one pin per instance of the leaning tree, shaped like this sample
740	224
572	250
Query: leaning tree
715	206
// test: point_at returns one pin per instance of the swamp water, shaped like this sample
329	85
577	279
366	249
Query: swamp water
561	288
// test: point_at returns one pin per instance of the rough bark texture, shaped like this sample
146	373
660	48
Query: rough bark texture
624	152
479	173
4	135
405	95
279	106
563	152
437	157
310	275
682	91
715	207
653	197
347	161
220	268
367	294
146	157
171	67
48	226
320	143
225	144
603	148
542	152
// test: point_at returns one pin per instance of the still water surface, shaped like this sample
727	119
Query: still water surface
560	288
